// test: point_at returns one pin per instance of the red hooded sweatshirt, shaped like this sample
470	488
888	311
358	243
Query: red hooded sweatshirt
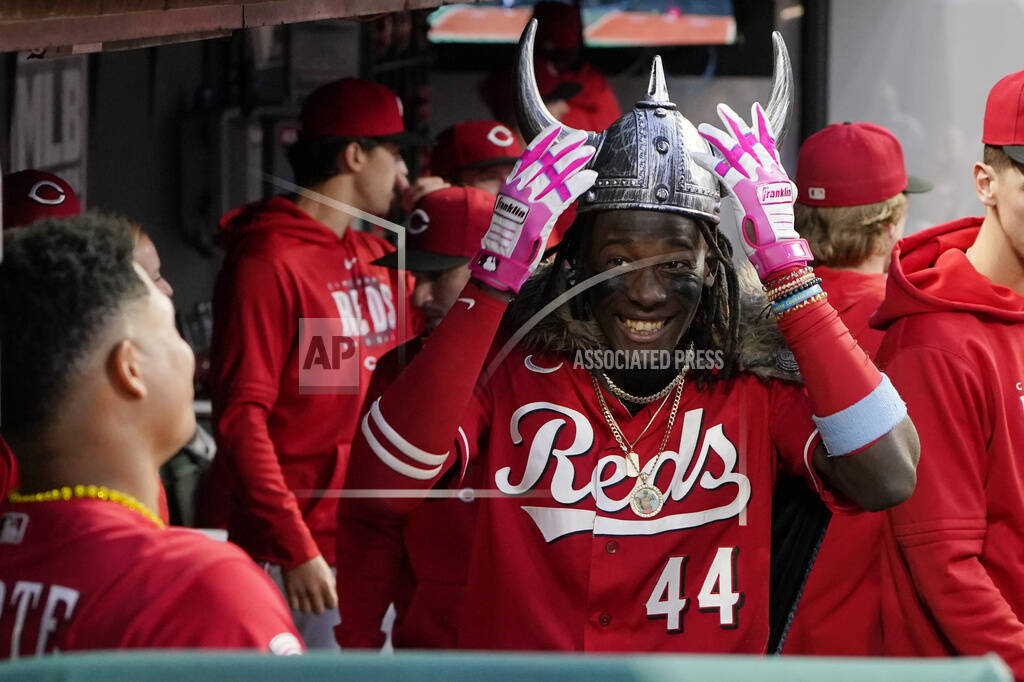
953	569
276	434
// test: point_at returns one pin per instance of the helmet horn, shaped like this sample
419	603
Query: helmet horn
780	102
531	112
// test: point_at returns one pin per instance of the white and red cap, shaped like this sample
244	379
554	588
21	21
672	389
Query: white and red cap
32	195
444	230
353	107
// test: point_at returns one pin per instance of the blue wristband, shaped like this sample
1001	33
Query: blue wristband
864	422
782	305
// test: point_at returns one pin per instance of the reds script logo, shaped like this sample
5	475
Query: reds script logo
557	522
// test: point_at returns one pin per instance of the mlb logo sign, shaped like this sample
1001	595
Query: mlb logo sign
328	357
12	528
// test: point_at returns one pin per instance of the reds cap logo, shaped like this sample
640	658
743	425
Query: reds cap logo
419	221
47	193
501	136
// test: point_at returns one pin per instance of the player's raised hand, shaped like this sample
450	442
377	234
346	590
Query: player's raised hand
311	587
748	165
547	178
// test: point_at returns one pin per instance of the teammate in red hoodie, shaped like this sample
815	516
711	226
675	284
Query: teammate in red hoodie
103	386
851	207
630	489
293	263
954	346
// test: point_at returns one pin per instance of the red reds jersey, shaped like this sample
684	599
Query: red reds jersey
91	574
953	580
560	561
300	318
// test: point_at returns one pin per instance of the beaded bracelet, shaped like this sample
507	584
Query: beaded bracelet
783	291
782	305
805	270
776	294
806	302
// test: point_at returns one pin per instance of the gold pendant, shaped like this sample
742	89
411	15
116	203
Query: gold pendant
632	464
645	500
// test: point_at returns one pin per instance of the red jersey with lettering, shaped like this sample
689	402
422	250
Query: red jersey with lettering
843	592
954	552
559	560
286	406
91	574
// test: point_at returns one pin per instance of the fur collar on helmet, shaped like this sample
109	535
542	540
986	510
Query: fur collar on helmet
762	350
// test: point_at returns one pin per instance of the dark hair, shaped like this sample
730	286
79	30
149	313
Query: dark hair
61	283
716	323
997	158
316	160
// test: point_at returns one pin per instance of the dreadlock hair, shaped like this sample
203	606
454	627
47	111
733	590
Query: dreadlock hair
717	320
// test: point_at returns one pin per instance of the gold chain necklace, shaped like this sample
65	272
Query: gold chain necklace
92	492
645	499
642	399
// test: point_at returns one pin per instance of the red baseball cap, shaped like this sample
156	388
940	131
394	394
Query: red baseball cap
32	195
1004	116
473	144
849	164
444	230
353	107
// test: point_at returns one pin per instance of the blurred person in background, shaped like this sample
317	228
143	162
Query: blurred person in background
953	315
290	260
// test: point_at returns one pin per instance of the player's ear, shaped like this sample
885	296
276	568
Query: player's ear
124	370
985	181
352	157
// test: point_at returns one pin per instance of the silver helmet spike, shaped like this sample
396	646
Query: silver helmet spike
657	91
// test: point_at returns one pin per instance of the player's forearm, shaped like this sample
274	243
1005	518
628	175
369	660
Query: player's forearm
872	446
406	439
243	440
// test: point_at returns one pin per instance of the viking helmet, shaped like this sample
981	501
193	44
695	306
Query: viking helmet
643	159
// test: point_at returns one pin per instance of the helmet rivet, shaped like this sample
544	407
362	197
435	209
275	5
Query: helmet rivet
661	193
661	144
590	195
660	112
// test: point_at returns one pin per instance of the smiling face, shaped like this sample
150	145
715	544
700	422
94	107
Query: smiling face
652	307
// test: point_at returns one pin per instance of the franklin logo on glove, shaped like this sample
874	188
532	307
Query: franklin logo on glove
511	209
776	193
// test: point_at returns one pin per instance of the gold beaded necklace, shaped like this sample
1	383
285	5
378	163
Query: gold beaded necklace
92	492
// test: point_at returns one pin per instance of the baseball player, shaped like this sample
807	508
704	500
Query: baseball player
419	563
292	263
628	500
954	346
104	396
851	207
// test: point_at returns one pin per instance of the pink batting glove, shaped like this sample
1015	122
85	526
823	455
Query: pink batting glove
546	179
751	171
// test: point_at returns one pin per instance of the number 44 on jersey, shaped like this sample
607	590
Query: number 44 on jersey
716	593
